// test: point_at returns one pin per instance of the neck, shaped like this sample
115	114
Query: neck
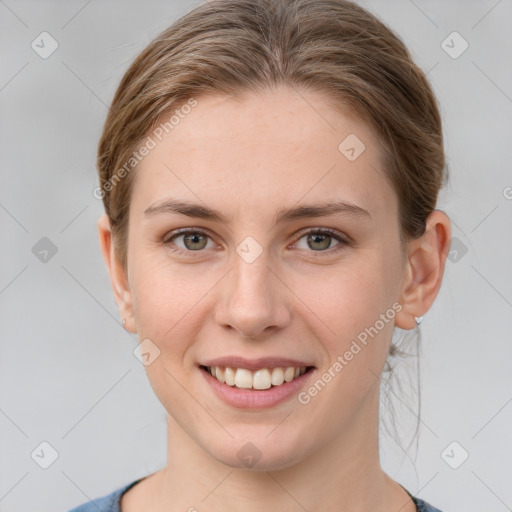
343	474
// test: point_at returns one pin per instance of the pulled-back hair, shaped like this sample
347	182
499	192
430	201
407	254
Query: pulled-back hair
234	47
237	46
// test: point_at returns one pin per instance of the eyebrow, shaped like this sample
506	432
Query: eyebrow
189	209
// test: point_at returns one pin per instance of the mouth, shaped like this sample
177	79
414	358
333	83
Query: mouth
258	379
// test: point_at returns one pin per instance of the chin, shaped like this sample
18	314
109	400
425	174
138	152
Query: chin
258	452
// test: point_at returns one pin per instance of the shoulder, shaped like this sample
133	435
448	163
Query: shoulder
423	506
107	503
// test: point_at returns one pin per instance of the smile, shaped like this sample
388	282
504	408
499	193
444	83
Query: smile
263	378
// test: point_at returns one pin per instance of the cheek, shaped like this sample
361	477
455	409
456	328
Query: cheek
167	300
165	303
349	298
357	320
357	341
159	297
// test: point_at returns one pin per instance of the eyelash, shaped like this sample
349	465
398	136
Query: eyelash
343	242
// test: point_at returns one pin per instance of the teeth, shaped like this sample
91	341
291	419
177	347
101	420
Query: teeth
229	376
260	379
243	378
219	373
277	376
289	374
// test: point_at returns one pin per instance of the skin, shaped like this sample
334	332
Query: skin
248	157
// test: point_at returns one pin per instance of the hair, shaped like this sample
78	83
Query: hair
233	47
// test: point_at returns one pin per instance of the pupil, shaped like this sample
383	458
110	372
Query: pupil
194	239
320	236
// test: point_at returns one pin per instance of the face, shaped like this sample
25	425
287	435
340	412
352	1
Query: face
268	279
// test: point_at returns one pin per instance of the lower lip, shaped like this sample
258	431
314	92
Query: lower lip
257	398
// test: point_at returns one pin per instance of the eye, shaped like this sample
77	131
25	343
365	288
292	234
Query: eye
320	240
193	240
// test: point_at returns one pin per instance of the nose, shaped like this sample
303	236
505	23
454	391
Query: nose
254	299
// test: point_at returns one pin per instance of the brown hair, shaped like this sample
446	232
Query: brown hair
241	46
236	46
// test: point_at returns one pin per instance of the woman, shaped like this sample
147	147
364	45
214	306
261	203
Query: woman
269	171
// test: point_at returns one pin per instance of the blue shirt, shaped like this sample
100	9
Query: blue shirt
110	502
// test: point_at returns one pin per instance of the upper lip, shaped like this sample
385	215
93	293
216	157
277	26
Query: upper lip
254	364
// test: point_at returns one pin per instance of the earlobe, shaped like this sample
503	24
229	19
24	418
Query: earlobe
118	278
424	270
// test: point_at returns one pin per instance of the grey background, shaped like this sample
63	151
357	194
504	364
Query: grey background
67	372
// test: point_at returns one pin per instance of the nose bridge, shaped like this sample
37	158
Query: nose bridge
251	301
251	263
251	278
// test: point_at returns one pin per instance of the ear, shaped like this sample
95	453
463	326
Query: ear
426	257
118	278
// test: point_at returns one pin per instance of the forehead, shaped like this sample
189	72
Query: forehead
273	147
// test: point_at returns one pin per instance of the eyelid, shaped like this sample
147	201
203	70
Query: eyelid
344	240
338	235
184	231
169	237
